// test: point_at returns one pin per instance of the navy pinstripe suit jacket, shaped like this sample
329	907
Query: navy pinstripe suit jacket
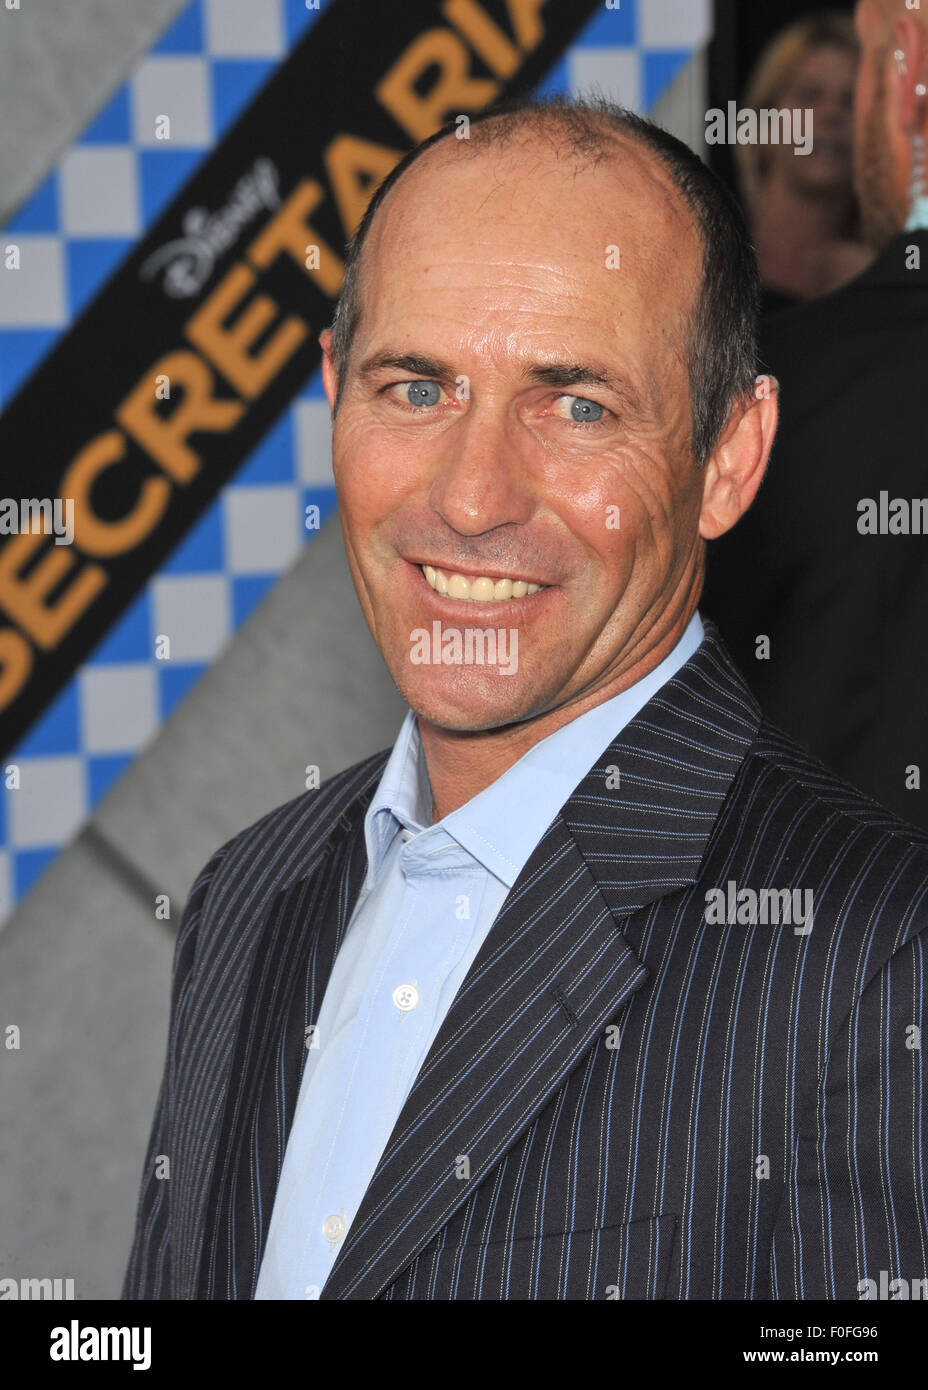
652	1105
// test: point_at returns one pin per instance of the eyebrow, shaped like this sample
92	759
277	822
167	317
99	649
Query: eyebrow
566	373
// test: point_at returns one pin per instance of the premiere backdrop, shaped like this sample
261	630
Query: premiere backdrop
175	672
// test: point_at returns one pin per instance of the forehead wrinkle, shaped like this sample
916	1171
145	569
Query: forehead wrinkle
655	236
531	350
448	156
559	369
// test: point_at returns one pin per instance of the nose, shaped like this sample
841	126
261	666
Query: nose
483	477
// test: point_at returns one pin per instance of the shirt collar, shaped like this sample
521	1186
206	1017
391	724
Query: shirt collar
502	824
403	799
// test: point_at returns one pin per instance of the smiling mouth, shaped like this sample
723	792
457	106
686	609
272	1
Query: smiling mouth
478	588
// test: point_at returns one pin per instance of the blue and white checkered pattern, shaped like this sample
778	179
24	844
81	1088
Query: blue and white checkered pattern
73	232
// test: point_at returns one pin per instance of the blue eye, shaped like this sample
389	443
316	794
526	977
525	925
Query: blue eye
586	412
423	393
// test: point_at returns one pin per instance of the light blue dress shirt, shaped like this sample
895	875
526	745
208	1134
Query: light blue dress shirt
429	899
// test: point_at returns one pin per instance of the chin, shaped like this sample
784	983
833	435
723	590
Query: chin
472	704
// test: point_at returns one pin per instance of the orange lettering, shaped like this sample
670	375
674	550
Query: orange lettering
164	438
453	91
529	30
98	537
228	348
289	231
356	168
483	35
16	661
25	599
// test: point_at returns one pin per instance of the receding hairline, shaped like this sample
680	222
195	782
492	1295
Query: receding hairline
541	128
719	339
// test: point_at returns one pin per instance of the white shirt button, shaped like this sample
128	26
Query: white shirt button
333	1227
405	997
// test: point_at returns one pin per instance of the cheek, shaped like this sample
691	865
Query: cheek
372	467
650	490
624	518
663	505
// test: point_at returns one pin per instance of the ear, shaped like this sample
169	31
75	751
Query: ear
908	73
737	464
329	374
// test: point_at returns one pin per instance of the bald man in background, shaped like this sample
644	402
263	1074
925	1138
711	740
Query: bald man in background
821	590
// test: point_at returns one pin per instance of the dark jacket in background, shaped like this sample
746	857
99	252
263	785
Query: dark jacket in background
846	613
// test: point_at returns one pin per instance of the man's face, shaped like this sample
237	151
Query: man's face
876	152
479	273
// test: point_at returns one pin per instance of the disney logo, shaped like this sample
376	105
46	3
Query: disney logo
189	261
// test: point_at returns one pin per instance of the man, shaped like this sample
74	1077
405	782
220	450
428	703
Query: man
596	986
822	590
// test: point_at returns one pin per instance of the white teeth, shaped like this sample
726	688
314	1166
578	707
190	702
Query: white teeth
480	589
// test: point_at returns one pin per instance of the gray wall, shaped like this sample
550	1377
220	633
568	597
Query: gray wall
84	964
60	60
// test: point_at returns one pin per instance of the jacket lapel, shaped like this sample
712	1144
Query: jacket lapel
555	968
644	814
293	951
550	974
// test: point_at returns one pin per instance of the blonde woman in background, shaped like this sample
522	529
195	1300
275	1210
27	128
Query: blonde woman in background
801	208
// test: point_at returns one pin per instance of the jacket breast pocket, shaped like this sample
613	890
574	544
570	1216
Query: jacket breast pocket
632	1260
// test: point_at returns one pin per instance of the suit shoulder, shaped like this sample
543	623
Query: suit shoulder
790	823
275	845
799	783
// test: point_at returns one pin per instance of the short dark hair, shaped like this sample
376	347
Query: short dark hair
722	346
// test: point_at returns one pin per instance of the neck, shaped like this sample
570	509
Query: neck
462	763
